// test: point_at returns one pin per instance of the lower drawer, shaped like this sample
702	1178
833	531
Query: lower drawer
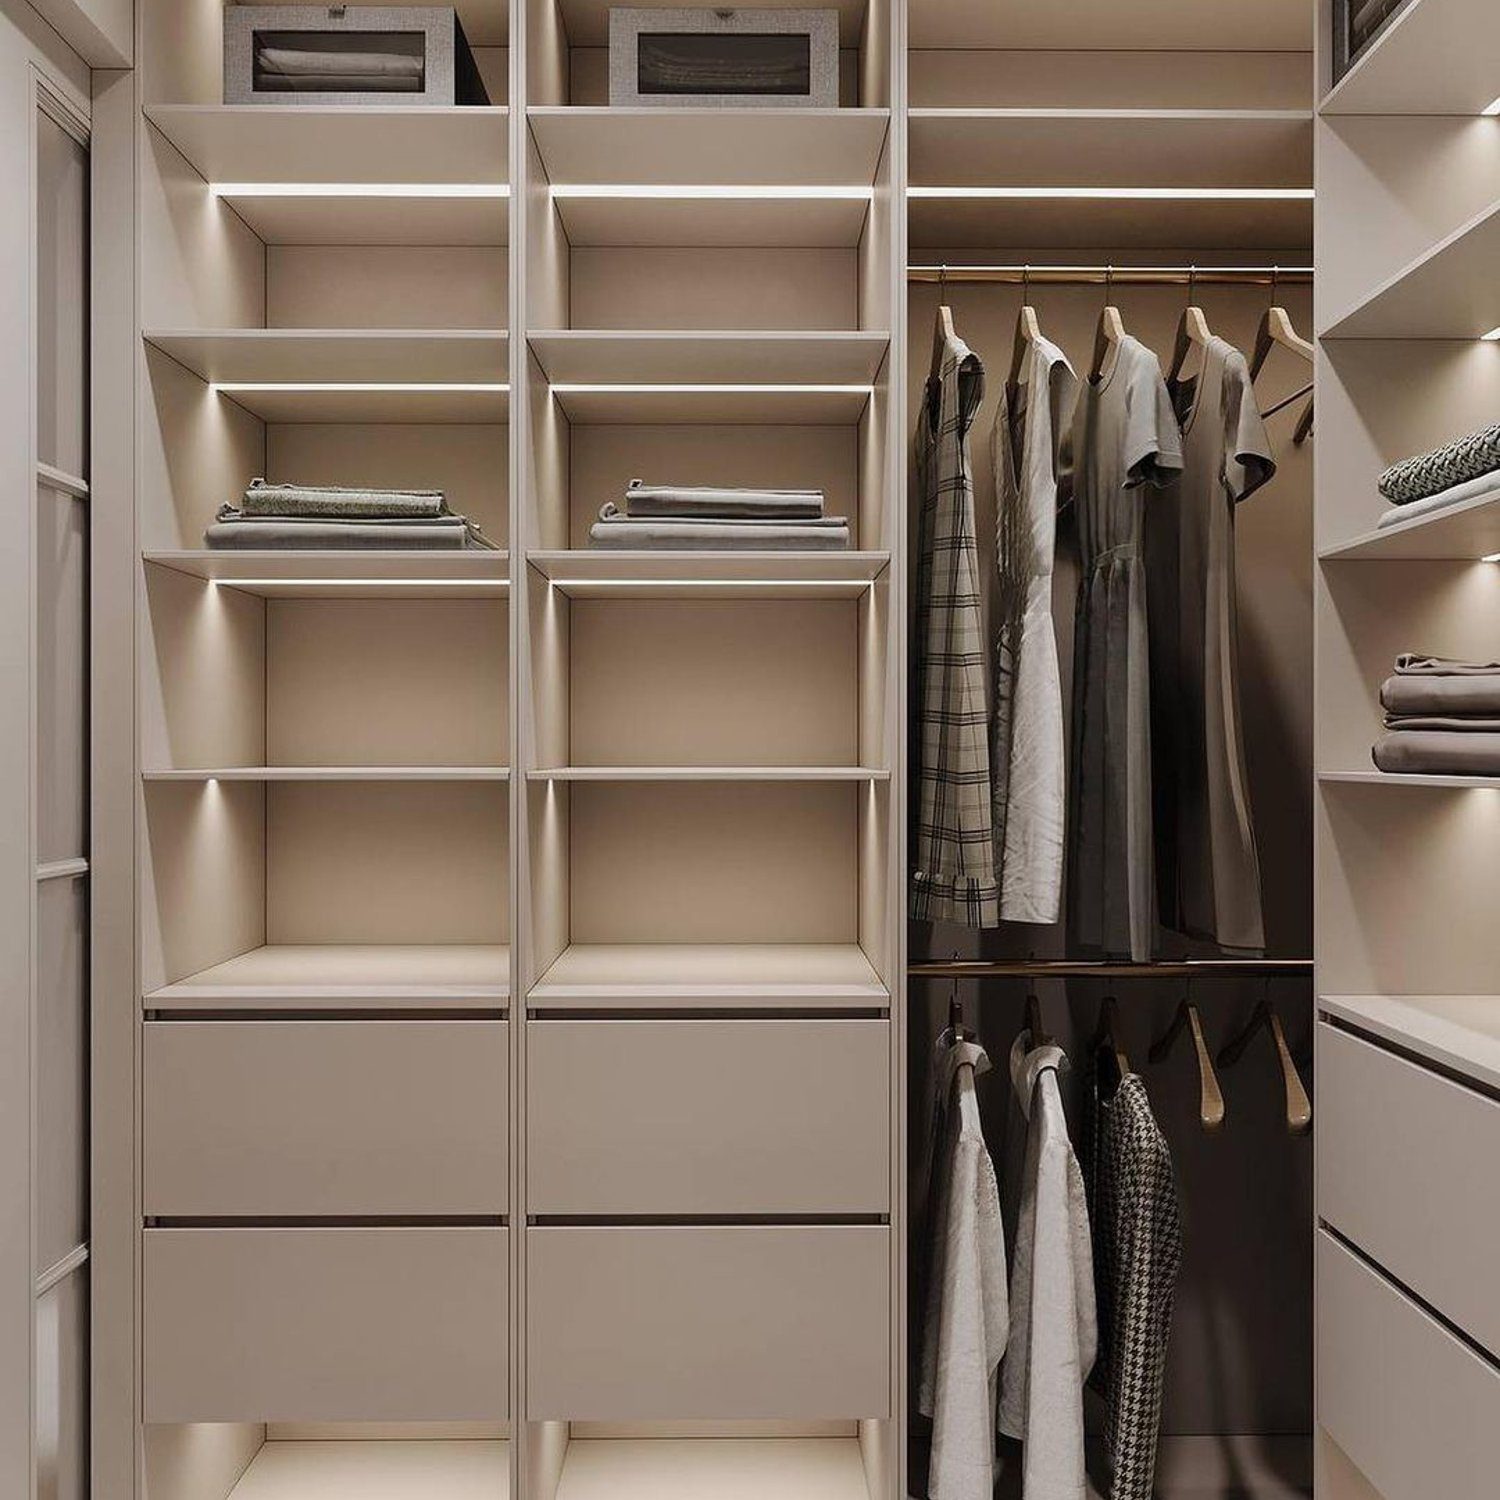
1414	1407
631	1323
330	1325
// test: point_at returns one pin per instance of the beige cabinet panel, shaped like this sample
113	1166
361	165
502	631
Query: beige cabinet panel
322	1118
642	1323
384	1324
708	1117
1406	1170
1411	1405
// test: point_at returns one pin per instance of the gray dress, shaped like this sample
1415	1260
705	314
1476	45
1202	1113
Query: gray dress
1124	442
1208	872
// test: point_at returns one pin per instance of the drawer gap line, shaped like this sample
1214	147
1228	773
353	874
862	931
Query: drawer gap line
327	1221
705	1013
266	1013
714	1221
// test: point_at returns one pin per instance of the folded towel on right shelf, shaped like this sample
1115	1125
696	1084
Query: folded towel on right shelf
1442	718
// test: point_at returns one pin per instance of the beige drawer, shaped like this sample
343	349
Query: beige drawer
323	1118
326	1324
1406	1171
708	1117
637	1323
1414	1407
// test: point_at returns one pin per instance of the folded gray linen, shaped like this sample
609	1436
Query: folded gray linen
1448	723
828	535
1471	489
677	500
275	533
1437	752
1435	687
1414	664
341	83
317	63
1429	473
340	501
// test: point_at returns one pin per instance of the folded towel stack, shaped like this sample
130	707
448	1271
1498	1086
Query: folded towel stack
686	518
321	70
1442	718
302	516
1463	470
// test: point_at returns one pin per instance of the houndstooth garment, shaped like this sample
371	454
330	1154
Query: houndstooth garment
953	876
1431	473
1137	1252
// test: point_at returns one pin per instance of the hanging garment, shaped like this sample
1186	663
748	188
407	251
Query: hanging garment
1137	1253
1028	764
1124	442
1208	871
1053	1327
966	1316
953	876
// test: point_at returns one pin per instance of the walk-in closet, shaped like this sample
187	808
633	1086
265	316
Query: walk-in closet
750	751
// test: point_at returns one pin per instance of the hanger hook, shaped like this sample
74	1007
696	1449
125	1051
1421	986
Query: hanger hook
1025	286
943	282
1192	285
1275	282
1109	283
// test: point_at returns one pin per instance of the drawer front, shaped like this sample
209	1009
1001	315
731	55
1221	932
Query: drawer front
1409	1403
661	1323
326	1325
289	1118
708	1117
1406	1171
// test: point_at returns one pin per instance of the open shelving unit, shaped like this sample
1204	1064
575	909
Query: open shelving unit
456	1469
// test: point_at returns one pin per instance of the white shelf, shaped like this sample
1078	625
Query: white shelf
1105	147
332	773
607	573
448	1469
709	773
698	147
1106	25
346	976
587	21
433	370
348	148
651	975
1461	1032
713	1469
1435	58
1405	779
1281	225
760	222
1451	292
348	573
1470	530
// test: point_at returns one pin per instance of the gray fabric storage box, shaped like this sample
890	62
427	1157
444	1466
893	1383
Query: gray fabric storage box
363	54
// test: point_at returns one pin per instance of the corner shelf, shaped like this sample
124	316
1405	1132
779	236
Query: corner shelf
686	975
709	773
1451	292
1433	59
1460	1032
445	1469
349	573
332	773
610	573
1467	531
713	1469
346	976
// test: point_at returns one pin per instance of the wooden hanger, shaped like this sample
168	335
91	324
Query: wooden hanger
1210	1096
1193	331
956	1032
1028	331
1276	328
1036	1035
1107	1036
942	332
1109	334
1298	1106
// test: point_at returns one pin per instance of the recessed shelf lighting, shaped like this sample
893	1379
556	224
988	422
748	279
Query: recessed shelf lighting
710	190
1492	109
359	189
247	387
1492	337
1491	557
675	584
710	389
1123	193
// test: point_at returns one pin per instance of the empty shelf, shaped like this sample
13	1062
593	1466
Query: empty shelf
1467	530
1101	147
350	375
447	1469
607	573
756	221
700	147
709	773
713	1469
346	976
587	21
346	574
664	974
1448	293
1461	1032
332	773
1146	25
1435	58
1404	779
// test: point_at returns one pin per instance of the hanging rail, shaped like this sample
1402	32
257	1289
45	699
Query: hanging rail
1044	968
1268	276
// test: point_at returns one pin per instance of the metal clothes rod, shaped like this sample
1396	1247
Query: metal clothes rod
1116	275
1191	968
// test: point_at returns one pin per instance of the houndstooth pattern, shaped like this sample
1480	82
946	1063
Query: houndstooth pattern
1432	473
1137	1253
953	860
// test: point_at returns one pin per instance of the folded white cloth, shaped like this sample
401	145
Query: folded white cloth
321	63
1470	489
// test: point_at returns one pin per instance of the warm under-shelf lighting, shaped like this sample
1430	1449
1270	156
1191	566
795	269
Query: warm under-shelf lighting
467	585
359	189
247	387
1493	109
633	388
729	191
1123	193
1492	337
677	584
1493	557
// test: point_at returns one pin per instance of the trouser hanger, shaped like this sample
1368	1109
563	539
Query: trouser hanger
1210	1096
1264	1018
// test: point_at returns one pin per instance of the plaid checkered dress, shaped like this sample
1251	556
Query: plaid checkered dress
953	876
